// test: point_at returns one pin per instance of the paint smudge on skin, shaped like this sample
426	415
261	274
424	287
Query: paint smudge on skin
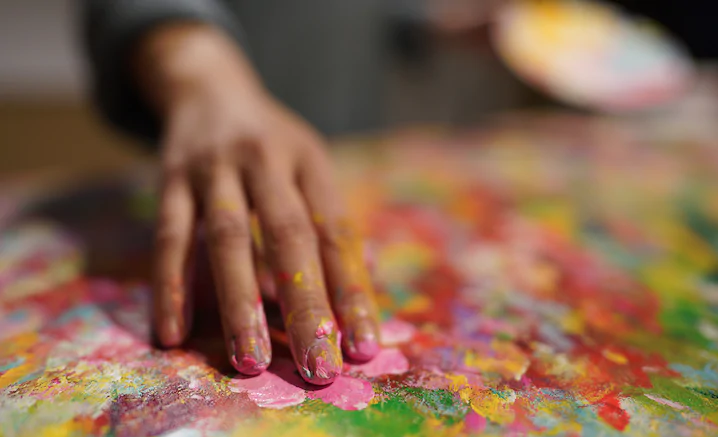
387	362
298	278
325	328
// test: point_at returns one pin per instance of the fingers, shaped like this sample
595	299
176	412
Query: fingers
230	248
348	280
291	248
172	247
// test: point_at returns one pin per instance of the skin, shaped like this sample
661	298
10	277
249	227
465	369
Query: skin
231	151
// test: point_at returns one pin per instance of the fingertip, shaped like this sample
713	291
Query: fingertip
323	372
361	342
170	333
250	355
248	365
362	351
322	362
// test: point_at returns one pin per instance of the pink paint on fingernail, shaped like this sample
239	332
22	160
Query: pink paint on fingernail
322	361
361	343
321	368
366	350
247	363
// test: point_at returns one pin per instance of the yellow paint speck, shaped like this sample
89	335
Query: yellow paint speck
615	357
298	278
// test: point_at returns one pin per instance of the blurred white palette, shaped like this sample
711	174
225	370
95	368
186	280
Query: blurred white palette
590	54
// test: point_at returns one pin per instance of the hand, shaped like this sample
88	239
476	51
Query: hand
230	149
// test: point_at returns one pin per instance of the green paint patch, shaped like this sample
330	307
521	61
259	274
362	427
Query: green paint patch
442	404
667	388
681	322
404	412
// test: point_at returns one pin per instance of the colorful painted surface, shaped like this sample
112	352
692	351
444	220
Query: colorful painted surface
550	277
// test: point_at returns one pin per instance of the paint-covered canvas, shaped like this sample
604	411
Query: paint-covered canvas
549	277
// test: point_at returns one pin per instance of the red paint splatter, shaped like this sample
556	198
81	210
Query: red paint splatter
609	409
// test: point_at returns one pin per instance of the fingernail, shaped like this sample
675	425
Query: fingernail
250	354
361	342
322	361
173	332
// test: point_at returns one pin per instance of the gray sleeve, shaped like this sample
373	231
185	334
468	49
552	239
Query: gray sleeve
110	27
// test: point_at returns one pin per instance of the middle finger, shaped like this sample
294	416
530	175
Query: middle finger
292	252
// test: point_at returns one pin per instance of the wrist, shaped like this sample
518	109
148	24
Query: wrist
178	60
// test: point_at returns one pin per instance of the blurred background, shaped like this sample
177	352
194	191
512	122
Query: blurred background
443	69
46	121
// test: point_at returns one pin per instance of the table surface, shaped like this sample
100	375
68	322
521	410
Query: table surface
549	275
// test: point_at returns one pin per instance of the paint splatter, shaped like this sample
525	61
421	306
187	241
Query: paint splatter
533	284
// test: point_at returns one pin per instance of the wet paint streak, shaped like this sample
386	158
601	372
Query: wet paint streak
346	393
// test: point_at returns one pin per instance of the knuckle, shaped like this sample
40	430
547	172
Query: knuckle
173	168
333	237
354	305
226	227
254	151
290	230
168	233
207	159
310	310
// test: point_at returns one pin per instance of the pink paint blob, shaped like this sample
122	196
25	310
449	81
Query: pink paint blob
346	393
474	423
280	387
386	362
395	332
272	389
325	329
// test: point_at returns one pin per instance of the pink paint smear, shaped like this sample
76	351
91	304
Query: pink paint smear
281	387
346	393
387	362
395	332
